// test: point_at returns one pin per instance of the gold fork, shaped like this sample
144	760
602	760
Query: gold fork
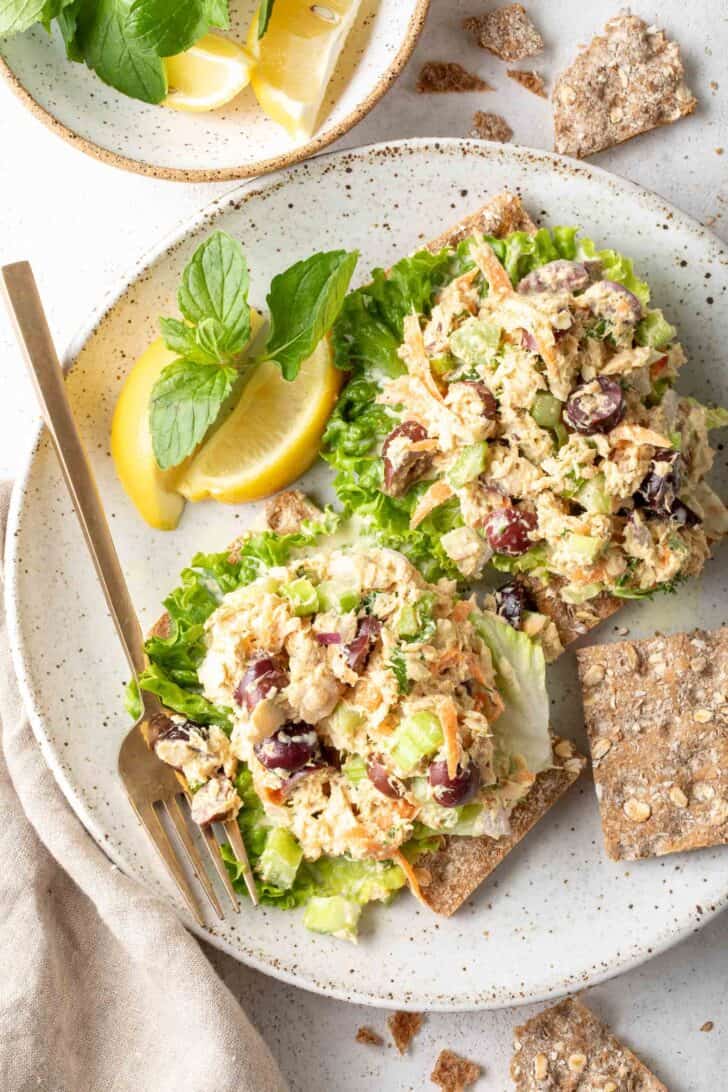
152	786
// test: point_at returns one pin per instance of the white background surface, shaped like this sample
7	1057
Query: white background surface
82	223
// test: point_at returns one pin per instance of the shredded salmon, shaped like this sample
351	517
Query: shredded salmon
415	356
636	434
414	884
423	445
436	495
450	657
498	280
449	721
462	610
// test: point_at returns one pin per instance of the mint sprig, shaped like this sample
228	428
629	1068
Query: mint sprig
212	366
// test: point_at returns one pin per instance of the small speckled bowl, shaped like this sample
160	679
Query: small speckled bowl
557	914
238	141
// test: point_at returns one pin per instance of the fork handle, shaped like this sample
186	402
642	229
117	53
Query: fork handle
31	327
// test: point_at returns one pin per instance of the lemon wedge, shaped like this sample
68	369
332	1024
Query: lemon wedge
152	490
208	75
271	437
296	57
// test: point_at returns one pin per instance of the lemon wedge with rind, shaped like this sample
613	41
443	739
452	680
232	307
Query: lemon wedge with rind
272	435
153	491
208	75
296	58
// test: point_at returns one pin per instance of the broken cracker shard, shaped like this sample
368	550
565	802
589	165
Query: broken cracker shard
507	32
453	1073
628	80
491	127
438	77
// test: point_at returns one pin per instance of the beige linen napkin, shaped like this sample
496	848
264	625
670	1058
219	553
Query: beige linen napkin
101	986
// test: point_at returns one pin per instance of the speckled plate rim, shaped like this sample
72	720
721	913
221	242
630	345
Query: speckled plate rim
253	169
665	938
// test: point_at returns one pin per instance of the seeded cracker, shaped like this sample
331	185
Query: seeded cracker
532	81
491	127
453	1073
403	1027
566	1047
657	716
625	82
443	76
508	32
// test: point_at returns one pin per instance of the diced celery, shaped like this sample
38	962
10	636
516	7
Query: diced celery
546	410
302	595
279	861
441	365
572	594
332	914
266	584
593	496
416	621
408	621
676	440
655	330
470	464
343	724
415	738
355	768
585	547
332	596
475	342
562	436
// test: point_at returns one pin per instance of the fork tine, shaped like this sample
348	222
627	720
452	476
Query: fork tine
213	848
177	817
232	830
150	821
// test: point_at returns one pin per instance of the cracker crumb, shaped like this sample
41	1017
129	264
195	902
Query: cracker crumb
507	32
403	1027
707	1026
437	77
453	1073
369	1036
532	81
719	151
491	127
626	81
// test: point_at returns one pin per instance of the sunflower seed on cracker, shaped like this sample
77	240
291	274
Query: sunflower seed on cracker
626	81
662	781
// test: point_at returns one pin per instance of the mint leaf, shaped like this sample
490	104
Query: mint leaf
166	29
186	400
304	303
203	344
215	285
110	47
264	13
19	15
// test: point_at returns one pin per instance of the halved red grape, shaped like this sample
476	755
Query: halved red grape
508	530
263	674
661	485
610	300
510	603
451	792
597	406
328	638
402	465
559	275
383	780
358	650
488	402
290	748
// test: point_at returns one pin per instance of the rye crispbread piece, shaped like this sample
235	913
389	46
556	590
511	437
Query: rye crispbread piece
501	215
453	1073
437	77
531	80
507	32
490	127
626	81
369	1037
403	1027
657	717
286	511
571	620
567	1047
449	875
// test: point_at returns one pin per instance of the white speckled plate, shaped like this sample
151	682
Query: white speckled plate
237	141
557	914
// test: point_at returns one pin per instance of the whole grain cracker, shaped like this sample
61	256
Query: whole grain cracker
287	511
491	127
507	32
448	876
626	81
566	1047
403	1027
369	1037
442	76
662	703
453	1073
531	80
571	620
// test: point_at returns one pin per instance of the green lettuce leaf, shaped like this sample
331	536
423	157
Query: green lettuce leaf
520	670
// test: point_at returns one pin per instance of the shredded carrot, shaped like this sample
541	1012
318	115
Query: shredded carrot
414	884
477	670
498	280
450	657
436	495
416	359
462	610
449	721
